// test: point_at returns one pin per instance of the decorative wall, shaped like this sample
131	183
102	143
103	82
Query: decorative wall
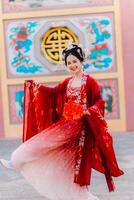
25	42
26	5
33	35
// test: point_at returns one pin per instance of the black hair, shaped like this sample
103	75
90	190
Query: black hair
75	51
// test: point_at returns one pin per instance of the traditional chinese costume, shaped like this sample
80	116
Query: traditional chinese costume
61	145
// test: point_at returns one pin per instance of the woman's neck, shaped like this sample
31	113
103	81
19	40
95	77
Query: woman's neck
78	74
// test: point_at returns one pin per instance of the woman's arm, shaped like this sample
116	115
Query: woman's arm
50	90
99	102
96	97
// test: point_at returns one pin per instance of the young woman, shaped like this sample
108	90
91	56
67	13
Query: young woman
65	135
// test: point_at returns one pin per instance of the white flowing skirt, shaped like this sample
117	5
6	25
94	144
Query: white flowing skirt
47	162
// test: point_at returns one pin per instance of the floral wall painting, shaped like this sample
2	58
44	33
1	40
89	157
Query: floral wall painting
16	99
25	5
99	37
109	91
24	44
19	103
21	42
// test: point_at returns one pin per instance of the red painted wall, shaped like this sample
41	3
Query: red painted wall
127	24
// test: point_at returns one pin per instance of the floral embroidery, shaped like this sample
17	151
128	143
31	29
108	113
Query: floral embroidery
79	154
76	97
73	109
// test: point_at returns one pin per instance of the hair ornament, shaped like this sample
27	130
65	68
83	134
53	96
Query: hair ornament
70	45
75	50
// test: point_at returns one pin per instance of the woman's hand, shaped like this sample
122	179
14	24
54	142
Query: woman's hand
28	83
86	112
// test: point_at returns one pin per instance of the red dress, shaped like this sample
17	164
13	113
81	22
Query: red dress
61	144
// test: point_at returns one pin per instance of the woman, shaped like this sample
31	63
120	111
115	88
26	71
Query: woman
65	135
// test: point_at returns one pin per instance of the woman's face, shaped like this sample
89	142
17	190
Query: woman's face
74	65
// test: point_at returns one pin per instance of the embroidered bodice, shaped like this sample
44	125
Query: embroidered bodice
77	100
78	94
